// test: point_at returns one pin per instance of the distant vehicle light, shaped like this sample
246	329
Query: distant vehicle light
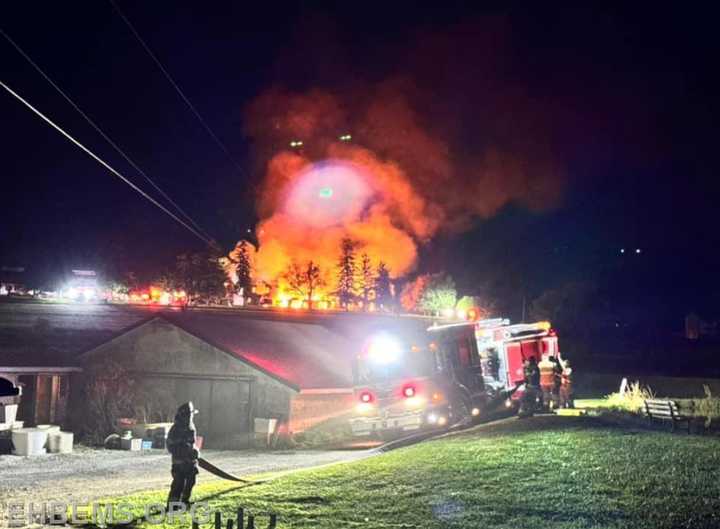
366	397
475	412
442	421
432	418
508	403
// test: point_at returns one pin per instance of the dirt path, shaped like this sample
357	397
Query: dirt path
88	474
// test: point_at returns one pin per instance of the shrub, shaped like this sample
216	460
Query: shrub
632	399
108	397
709	407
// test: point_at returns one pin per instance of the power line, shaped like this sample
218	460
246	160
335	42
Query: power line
103	163
105	136
176	87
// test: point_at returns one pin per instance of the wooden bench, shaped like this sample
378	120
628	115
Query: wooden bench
666	410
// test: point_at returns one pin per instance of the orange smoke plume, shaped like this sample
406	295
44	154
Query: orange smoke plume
391	189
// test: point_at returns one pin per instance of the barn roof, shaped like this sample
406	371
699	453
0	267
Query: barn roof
46	334
307	355
311	351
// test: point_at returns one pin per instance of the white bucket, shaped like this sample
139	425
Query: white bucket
49	428
60	442
29	441
8	413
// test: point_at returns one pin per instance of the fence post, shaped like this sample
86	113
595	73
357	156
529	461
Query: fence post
195	525
240	518
251	522
273	521
218	520
230	523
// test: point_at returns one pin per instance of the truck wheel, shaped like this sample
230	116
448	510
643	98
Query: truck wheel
460	411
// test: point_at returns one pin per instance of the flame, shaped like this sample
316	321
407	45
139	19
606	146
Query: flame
349	195
369	169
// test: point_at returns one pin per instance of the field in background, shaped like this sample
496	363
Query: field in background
591	386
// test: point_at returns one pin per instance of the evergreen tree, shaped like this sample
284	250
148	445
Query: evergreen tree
243	269
367	279
383	293
346	273
201	275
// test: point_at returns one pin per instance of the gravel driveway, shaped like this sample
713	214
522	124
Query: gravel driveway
90	474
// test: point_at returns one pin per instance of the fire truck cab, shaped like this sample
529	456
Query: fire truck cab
466	370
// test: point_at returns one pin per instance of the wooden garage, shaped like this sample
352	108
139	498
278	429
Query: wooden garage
170	366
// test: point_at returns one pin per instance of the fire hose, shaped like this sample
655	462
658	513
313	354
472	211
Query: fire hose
206	465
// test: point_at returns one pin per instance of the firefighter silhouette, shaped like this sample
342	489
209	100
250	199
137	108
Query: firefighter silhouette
566	387
181	445
532	385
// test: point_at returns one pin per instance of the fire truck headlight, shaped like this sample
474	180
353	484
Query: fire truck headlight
475	412
508	403
432	418
363	407
384	349
414	402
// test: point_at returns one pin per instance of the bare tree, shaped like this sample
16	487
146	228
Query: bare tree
304	280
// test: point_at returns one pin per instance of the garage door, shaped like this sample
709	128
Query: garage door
224	404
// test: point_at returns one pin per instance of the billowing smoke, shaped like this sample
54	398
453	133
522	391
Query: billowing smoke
392	187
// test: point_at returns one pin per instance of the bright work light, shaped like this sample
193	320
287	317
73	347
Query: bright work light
384	349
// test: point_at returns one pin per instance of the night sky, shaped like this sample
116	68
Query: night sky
626	102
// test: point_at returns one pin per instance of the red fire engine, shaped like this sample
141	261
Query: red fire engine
466	370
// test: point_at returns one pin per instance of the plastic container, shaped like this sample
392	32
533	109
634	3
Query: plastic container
60	442
132	444
49	428
29	441
8	413
265	426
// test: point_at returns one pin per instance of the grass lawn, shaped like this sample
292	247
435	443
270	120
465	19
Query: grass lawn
559	472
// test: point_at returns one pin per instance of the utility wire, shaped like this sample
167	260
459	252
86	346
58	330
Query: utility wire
103	163
176	87
105	136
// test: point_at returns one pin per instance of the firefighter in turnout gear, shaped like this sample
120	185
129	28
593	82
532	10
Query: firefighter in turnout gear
532	385
557	372
547	381
181	444
566	389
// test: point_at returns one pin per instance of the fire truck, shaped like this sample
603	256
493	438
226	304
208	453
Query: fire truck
463	372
